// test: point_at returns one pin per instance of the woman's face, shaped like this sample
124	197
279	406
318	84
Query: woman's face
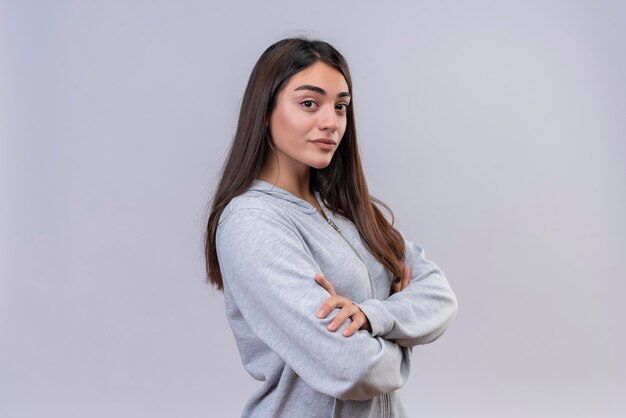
309	119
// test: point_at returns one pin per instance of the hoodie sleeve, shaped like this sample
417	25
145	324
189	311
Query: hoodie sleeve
421	312
269	273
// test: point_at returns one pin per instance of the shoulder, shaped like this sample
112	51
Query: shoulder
251	228
249	204
251	214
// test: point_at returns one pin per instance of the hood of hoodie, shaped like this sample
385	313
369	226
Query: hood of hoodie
288	198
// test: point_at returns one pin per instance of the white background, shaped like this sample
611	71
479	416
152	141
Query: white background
496	130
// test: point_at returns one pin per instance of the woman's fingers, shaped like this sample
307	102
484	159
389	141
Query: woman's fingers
395	286
331	302
400	285
328	305
321	280
347	309
406	277
358	320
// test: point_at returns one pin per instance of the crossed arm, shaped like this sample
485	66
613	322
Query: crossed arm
279	301
349	309
275	302
418	310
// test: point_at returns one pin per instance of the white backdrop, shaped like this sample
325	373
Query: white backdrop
496	131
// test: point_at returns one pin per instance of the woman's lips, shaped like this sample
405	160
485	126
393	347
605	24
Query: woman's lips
325	144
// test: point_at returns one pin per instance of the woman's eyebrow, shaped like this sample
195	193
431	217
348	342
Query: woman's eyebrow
320	90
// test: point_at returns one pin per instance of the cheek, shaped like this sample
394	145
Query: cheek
342	128
285	124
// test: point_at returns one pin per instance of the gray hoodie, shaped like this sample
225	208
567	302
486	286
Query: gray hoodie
270	245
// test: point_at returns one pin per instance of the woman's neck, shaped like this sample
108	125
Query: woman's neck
295	182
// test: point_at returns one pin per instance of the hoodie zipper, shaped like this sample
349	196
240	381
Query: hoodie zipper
336	228
384	396
338	407
330	222
386	411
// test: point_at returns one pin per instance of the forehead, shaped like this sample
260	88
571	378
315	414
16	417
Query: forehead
321	75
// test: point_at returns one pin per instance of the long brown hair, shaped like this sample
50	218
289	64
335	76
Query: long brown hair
341	184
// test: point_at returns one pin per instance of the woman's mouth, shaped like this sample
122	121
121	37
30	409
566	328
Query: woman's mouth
324	143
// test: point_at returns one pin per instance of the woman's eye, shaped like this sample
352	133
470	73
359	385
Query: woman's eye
309	104
341	106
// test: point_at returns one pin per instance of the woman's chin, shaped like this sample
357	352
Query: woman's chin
320	165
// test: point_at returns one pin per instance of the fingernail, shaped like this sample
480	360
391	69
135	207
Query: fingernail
319	313
332	326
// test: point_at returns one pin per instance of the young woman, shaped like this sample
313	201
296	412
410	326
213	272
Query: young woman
325	298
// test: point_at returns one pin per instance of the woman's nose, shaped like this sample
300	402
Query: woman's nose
328	119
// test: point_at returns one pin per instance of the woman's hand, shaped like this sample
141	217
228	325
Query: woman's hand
401	284
348	309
